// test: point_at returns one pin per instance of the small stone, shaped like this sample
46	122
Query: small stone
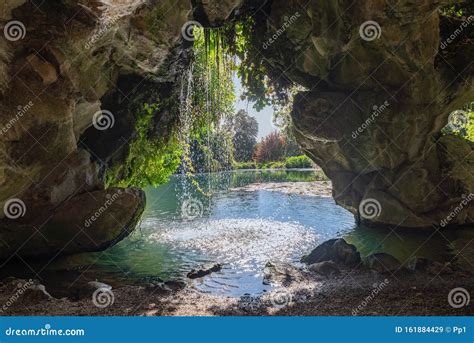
175	285
282	274
326	268
382	263
194	274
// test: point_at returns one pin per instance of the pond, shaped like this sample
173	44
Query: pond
203	220
209	219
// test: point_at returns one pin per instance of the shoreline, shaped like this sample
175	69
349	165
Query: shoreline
401	293
356	291
305	188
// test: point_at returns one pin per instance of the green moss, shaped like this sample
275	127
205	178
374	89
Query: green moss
150	161
153	19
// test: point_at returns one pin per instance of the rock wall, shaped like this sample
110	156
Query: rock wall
379	91
381	81
66	68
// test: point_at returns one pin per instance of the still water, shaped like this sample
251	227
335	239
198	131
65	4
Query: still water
204	220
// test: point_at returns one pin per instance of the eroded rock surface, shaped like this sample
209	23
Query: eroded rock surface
63	64
381	84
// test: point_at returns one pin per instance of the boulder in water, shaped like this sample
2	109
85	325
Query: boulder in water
194	274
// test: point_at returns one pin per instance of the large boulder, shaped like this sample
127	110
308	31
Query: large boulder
380	90
337	250
60	63
382	263
88	222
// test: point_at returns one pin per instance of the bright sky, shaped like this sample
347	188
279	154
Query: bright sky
264	117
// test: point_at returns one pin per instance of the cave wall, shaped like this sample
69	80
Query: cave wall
381	81
61	64
69	60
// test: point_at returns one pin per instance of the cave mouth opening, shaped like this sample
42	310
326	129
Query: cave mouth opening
211	208
214	211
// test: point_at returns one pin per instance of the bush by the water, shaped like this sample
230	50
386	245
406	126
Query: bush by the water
301	161
245	165
271	165
292	162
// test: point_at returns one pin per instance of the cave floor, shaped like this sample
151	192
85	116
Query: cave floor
358	292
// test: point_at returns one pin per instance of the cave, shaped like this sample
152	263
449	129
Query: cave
379	82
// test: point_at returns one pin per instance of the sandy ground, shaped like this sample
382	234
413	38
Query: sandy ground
357	292
315	188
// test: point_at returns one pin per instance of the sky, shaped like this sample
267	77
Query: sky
264	117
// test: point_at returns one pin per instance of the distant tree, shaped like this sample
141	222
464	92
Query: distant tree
270	148
244	129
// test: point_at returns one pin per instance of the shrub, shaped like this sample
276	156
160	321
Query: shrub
271	148
245	165
301	161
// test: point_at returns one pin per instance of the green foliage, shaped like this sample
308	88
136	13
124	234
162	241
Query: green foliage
211	150
301	161
470	127
262	84
245	165
271	165
150	161
213	90
459	10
